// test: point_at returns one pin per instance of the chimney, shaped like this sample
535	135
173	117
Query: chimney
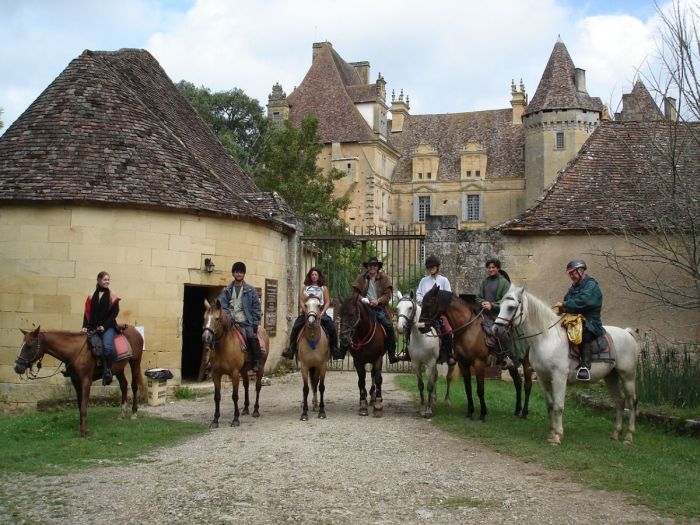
399	112
316	47
362	69
670	111
580	80
518	101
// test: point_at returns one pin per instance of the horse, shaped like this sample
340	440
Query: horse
71	348
424	349
222	341
313	354
470	348
363	335
549	354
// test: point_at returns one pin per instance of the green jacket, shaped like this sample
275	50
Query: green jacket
585	298
503	286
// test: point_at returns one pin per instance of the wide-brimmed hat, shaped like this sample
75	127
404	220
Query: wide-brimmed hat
373	260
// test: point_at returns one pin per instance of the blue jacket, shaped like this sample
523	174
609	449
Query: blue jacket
585	298
249	300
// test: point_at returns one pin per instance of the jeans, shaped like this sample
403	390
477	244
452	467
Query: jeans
108	343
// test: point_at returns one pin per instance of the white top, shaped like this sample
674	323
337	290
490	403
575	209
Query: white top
427	282
315	290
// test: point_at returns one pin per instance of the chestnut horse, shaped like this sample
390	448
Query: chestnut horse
71	348
363	335
222	341
313	356
470	348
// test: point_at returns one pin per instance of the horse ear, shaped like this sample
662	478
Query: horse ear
206	304
411	294
218	303
36	332
435	286
25	332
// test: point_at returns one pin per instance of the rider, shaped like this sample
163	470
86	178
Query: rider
100	317
433	277
375	289
584	297
241	303
314	284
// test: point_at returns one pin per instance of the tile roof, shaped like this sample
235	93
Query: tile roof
329	90
557	87
449	133
113	129
639	105
613	181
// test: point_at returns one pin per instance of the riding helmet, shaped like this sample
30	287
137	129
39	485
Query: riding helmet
432	261
575	264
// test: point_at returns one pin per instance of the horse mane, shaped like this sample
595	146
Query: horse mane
539	313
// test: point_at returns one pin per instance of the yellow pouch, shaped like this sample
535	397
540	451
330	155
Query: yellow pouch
574	327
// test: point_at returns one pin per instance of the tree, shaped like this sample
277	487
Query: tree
237	120
2	124
289	168
661	259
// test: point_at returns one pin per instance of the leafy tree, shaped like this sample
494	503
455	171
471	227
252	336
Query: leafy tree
289	168
2	124
661	260
236	119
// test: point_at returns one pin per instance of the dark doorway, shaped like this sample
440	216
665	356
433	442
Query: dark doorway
192	318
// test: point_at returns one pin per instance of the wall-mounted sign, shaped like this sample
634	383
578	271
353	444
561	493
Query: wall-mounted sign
270	312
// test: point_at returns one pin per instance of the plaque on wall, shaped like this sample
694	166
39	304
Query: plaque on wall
270	312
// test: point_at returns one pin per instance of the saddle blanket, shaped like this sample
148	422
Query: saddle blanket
602	349
244	346
122	348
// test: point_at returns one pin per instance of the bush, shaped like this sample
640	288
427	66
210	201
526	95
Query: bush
185	392
668	376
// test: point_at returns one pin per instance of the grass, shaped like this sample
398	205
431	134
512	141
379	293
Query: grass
660	470
47	443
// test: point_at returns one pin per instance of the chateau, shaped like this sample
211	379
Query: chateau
484	167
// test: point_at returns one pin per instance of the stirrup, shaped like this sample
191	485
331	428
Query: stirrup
583	374
288	353
393	358
403	356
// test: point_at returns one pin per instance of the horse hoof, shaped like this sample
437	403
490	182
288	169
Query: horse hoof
428	415
378	413
256	413
134	416
214	424
245	412
235	423
304	417
363	411
322	415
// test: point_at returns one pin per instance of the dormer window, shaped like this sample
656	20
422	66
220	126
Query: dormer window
425	162
473	159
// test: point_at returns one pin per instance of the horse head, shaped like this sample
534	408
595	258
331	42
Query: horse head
312	310
214	323
31	352
435	304
406	308
512	312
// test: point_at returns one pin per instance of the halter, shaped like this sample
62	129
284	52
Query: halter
519	313
350	332
409	321
37	357
213	332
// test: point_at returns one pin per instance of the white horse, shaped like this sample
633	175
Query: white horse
549	356
424	349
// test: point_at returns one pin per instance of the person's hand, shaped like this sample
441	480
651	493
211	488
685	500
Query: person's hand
100	329
373	302
365	300
83	330
486	305
558	307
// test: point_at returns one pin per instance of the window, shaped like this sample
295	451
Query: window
472	208
477	173
560	140
423	208
420	175
429	175
469	173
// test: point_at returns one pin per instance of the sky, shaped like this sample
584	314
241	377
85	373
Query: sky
448	56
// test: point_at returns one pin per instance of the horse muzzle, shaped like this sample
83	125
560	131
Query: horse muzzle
208	338
20	368
499	330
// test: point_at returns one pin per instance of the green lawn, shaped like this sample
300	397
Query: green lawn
659	470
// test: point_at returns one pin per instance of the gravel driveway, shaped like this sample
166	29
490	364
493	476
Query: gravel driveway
344	469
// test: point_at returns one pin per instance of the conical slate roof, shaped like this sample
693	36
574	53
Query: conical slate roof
113	129
329	90
639	105
557	87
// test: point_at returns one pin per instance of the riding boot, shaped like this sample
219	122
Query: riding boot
336	353
106	370
584	371
254	353
291	351
390	345
446	349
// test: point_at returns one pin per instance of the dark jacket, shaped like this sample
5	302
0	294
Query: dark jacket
585	298
101	312
503	287
249	300
384	289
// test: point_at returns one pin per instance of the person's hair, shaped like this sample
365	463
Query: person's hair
101	275
321	278
238	266
493	261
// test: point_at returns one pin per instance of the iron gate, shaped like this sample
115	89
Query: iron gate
340	255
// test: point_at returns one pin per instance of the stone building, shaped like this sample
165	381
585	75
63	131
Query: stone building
111	169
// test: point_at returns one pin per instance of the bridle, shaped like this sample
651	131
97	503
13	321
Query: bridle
349	332
517	316
207	327
36	357
438	314
410	321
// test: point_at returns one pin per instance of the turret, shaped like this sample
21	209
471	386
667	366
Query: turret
518	101
399	111
277	105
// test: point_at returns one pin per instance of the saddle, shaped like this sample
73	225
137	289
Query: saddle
244	345
122	348
602	349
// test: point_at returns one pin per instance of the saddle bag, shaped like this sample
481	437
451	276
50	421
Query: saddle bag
95	344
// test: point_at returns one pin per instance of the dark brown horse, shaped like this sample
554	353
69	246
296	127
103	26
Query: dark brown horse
470	348
72	349
222	341
363	336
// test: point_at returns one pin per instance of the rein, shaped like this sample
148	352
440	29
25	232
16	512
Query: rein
29	363
351	332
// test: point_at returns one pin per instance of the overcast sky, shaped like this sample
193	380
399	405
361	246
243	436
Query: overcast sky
448	55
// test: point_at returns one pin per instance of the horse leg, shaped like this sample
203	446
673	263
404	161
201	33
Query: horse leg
527	373
216	378
546	385
314	388
246	398
378	402
465	369
85	385
135	384
235	381
361	374
305	390
448	379
518	384
258	387
321	390
432	384
421	386
629	388
123	385
558	396
480	373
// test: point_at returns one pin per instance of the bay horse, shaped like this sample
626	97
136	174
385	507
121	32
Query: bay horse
223	343
549	353
313	354
471	350
363	336
71	348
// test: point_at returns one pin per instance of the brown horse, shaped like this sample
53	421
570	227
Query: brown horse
313	356
364	337
470	348
222	340
71	348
